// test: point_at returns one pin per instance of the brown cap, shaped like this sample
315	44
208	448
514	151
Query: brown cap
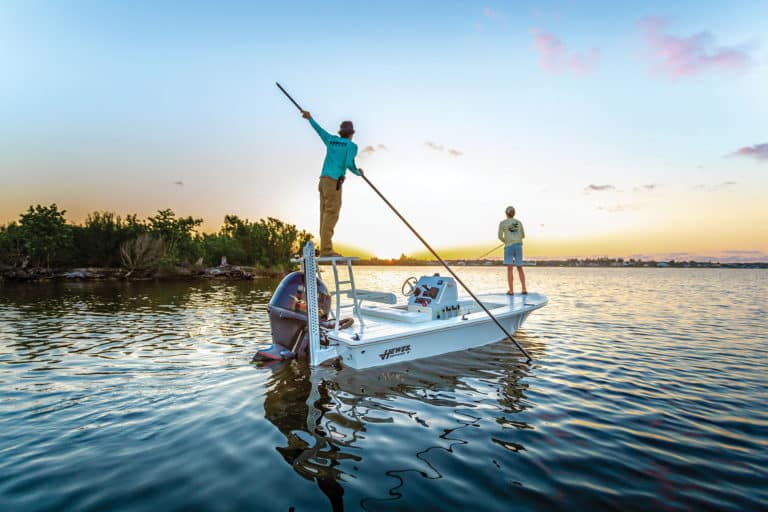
346	129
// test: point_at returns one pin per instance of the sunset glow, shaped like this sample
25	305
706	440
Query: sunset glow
619	130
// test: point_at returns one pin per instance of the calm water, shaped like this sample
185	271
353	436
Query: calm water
648	391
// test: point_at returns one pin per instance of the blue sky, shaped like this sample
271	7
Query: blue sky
110	105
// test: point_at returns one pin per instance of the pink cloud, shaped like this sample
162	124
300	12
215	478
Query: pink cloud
598	188
757	151
718	186
555	57
492	13
678	57
369	150
440	147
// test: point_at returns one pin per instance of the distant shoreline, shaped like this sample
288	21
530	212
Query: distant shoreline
578	263
245	273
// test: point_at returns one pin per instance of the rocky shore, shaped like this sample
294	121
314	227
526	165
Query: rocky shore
222	272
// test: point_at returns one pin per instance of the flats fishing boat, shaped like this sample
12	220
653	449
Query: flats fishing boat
308	319
381	331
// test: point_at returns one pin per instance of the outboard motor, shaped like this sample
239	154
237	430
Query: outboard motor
288	317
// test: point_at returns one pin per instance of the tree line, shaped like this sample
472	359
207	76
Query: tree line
42	237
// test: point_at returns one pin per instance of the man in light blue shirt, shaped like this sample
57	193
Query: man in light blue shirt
511	232
340	156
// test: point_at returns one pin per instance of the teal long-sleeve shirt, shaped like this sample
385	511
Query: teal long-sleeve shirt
340	153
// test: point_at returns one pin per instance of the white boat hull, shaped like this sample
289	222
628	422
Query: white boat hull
385	341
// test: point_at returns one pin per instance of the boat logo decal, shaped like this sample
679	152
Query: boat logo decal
396	351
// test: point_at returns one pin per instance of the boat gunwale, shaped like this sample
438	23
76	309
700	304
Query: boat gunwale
439	325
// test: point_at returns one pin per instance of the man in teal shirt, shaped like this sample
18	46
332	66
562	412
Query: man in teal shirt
340	156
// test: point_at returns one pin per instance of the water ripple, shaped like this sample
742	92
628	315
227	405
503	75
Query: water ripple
647	391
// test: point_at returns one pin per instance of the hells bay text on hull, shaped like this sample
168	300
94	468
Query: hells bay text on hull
379	331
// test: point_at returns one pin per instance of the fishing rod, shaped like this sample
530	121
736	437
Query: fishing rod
449	269
504	330
489	252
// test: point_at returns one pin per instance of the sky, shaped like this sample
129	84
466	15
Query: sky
624	129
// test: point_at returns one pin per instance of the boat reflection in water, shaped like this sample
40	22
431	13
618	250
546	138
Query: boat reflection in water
404	418
309	449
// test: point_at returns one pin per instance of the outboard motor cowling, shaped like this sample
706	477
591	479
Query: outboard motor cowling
288	317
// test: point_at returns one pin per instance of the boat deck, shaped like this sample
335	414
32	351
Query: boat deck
382	323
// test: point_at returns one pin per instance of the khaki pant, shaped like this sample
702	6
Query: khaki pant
330	206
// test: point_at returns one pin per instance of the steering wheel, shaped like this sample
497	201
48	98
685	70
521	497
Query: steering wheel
409	286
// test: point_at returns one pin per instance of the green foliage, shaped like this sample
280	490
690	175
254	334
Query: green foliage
11	245
97	243
216	246
181	241
164	240
45	236
282	241
266	243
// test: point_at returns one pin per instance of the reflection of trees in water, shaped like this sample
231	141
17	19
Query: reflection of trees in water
60	298
154	317
323	412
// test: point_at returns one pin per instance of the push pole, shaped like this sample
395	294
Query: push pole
289	96
504	330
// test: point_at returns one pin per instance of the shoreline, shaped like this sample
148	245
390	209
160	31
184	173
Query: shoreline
587	263
182	273
248	273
